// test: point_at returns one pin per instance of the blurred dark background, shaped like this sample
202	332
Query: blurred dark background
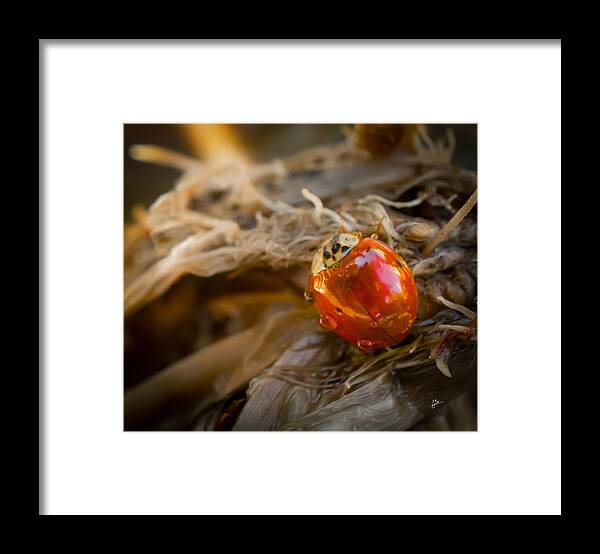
144	182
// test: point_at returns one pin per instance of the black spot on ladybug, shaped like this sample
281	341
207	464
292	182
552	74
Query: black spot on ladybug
345	250
326	254
335	247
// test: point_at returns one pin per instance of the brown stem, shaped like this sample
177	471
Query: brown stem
446	229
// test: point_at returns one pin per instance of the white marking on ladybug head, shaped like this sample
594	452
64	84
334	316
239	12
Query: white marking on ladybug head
332	250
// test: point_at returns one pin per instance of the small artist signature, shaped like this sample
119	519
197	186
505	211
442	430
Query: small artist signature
435	403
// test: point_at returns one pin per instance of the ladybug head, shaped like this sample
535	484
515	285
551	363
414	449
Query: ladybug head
332	250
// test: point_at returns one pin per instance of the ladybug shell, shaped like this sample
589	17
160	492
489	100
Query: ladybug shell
369	297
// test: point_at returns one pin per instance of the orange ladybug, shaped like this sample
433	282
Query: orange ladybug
363	291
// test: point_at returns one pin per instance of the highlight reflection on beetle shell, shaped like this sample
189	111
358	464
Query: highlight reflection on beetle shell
369	298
